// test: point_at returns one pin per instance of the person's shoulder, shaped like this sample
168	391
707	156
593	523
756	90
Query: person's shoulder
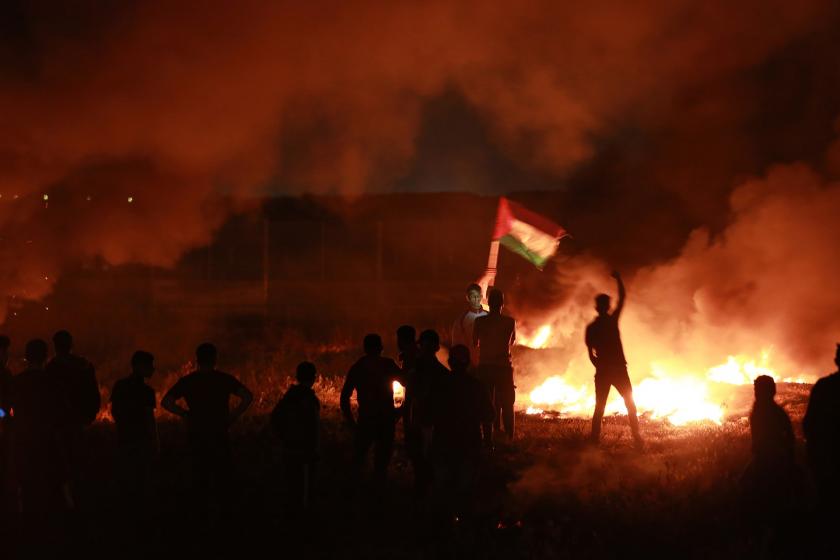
120	385
830	382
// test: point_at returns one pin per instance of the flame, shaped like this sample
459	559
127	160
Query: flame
399	393
539	339
667	392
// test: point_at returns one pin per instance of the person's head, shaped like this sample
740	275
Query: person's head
373	344
305	374
36	353
459	358
143	364
5	342
206	355
406	338
496	300
474	296
63	342
602	304
429	342
765	388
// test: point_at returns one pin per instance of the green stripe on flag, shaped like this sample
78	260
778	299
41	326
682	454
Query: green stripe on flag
517	246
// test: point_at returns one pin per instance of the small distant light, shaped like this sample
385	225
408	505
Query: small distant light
130	199
89	198
47	308
46	197
46	277
15	197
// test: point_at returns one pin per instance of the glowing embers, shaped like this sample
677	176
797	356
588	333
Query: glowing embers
538	339
740	370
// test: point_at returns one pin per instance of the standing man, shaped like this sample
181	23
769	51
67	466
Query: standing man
494	335
5	424
133	405
207	392
822	434
80	390
462	329
606	353
372	378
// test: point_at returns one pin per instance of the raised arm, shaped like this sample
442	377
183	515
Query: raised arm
622	294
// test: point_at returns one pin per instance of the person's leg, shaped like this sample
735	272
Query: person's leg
625	389
507	396
487	429
382	452
602	391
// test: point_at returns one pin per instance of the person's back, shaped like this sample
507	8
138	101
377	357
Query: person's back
77	377
822	431
296	420
207	394
133	404
461	408
603	336
495	335
373	377
773	441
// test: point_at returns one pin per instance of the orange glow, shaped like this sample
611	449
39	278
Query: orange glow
399	393
537	339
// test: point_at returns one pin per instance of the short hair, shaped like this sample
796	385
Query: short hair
305	373
63	340
206	354
5	342
459	357
142	358
430	336
602	300
407	332
473	288
496	298
372	343
36	351
765	385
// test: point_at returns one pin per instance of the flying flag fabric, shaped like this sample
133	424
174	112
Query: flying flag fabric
527	233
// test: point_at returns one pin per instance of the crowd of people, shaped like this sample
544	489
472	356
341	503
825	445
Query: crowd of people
453	417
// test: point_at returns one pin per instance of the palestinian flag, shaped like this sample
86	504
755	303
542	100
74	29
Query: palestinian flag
527	233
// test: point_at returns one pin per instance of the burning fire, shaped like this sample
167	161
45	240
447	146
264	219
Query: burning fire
669	391
399	393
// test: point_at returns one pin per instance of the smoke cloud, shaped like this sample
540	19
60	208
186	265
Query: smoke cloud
131	131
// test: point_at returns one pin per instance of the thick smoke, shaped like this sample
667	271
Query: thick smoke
763	288
178	106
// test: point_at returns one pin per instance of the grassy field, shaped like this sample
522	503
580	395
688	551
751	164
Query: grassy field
546	496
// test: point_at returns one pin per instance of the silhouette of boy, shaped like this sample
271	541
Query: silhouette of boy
133	405
822	433
461	407
296	419
494	335
462	328
36	398
371	378
603	342
80	390
208	417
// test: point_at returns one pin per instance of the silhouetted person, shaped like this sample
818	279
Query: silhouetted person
133	405
461	407
208	417
80	390
494	334
770	483
419	418
371	378
462	328
6	490
296	420
37	402
606	353
822	433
